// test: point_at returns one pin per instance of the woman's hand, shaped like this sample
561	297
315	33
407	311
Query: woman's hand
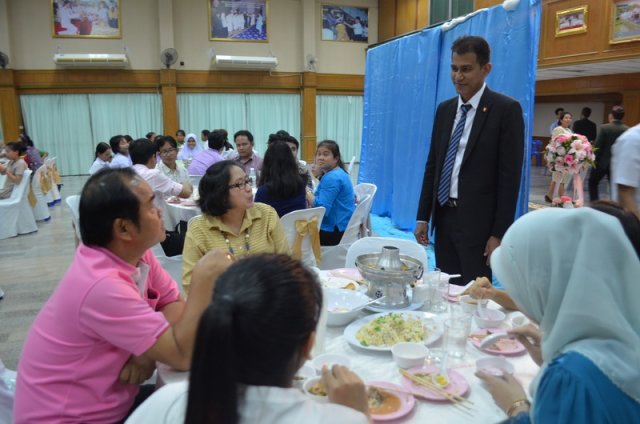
530	336
505	391
344	387
481	289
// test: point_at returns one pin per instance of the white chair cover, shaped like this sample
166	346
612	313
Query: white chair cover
73	202
171	264
361	191
375	245
289	223
16	215
40	210
54	194
350	166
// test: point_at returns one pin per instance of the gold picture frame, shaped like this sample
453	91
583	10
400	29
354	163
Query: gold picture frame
345	23
85	18
625	21
238	20
571	21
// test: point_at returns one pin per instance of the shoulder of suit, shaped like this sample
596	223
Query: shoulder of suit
496	97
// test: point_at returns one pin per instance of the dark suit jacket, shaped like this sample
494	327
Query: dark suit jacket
606	137
489	178
586	128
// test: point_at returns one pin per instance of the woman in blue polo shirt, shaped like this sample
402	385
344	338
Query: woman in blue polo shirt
335	193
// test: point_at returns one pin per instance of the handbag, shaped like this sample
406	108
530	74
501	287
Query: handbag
174	240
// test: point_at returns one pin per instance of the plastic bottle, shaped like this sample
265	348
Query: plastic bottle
252	175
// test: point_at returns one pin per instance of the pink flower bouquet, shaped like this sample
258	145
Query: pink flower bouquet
569	153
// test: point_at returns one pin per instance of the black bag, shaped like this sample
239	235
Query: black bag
174	240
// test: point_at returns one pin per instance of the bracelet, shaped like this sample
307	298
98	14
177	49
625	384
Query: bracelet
516	404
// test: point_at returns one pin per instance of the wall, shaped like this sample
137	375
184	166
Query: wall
544	113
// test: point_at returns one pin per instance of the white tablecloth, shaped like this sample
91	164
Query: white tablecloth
176	212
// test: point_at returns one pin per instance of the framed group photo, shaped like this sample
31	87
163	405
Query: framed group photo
625	21
238	20
571	21
85	18
345	23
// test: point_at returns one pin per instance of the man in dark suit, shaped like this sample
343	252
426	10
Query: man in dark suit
584	126
605	139
472	176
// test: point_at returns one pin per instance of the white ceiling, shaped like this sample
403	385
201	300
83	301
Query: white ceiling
626	66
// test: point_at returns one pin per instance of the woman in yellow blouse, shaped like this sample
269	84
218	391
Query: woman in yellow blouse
230	219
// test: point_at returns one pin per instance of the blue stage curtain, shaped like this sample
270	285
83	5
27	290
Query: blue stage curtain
407	78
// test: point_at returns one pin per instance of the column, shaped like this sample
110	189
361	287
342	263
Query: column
169	100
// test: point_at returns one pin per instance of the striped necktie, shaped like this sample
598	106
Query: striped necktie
445	176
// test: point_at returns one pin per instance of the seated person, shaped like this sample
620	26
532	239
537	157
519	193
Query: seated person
120	146
14	169
280	184
143	154
33	157
247	157
114	313
103	158
151	136
294	145
213	154
168	166
190	149
180	138
271	305
230	220
335	193
586	307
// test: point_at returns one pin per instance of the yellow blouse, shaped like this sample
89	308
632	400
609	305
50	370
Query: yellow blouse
205	232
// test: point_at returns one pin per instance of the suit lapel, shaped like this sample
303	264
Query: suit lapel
484	107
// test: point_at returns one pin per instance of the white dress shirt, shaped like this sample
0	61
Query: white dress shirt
158	181
121	161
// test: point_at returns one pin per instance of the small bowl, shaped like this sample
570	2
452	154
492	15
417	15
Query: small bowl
469	304
493	318
303	374
494	366
409	355
519	320
308	384
337	299
330	359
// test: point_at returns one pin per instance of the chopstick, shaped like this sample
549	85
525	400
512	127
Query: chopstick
347	277
455	399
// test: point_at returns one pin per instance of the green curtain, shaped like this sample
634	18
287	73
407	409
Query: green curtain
339	118
69	126
268	113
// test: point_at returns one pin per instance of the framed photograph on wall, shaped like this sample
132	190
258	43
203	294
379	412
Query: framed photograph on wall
345	23
85	18
238	20
625	21
571	21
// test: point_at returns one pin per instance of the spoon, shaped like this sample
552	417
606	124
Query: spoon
367	304
441	378
481	313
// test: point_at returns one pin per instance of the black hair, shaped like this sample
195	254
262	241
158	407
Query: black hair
105	197
217	139
161	141
150	134
214	188
205	133
114	142
586	112
334	149
245	133
280	173
281	135
26	140
128	138
263	303
617	112
181	132
17	146
141	150
565	113
473	44
560	109
101	148
629	220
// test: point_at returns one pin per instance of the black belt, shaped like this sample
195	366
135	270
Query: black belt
451	203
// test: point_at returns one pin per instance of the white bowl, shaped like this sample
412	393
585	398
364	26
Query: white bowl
330	359
493	318
469	304
494	366
308	384
409	355
519	320
303	374
338	299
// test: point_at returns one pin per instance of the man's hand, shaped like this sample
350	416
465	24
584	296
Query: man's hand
211	265
137	370
421	233
344	387
492	243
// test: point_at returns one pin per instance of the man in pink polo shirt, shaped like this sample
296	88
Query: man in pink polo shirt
114	313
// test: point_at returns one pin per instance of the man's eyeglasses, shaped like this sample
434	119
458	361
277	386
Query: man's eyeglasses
167	152
242	185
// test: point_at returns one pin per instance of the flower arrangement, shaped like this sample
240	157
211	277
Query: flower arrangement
569	153
563	202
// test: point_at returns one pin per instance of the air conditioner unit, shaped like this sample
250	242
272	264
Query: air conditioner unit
82	60
245	62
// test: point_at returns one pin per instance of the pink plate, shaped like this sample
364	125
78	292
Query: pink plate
454	292
457	386
501	347
347	273
407	401
188	203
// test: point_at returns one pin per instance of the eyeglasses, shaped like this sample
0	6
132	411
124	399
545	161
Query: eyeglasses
243	184
167	152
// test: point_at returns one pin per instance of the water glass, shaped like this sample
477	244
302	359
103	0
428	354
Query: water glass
456	332
439	291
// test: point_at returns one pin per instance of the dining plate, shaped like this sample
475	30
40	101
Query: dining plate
501	347
329	281
434	332
407	401
350	273
458	385
411	307
455	292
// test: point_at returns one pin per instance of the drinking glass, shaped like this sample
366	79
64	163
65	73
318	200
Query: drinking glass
439	291
456	332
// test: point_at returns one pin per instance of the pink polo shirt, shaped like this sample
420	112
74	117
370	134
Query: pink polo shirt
95	319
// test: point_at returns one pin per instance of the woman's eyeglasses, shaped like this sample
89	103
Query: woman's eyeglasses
242	185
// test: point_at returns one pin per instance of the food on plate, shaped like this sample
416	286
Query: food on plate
338	309
390	329
441	380
318	389
382	402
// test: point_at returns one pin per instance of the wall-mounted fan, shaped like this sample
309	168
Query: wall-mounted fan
4	60
168	57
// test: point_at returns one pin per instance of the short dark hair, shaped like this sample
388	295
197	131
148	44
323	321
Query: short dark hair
282	135
161	141
558	110
114	142
217	139
617	112
141	150
101	148
629	220
105	197
17	146
214	188
245	133
128	138
150	134
205	132
181	132
473	44
586	112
